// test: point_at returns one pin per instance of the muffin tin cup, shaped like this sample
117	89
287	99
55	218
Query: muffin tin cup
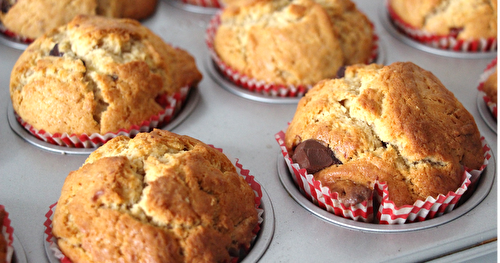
252	85
387	212
7	232
492	105
263	231
448	43
13	40
179	106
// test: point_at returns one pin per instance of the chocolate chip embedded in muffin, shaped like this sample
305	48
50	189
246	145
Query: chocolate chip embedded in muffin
313	156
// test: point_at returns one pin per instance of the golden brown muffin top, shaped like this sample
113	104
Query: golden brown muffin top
472	19
97	75
160	197
298	42
396	124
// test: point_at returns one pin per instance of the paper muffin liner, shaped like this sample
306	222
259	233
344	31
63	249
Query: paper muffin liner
387	212
446	42
173	104
490	69
203	3
255	85
13	36
8	234
245	173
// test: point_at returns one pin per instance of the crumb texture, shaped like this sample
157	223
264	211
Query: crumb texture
160	197
396	124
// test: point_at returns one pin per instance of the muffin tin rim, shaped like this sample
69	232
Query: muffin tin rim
485	184
485	112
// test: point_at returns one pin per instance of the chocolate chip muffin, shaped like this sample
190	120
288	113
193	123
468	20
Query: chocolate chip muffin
490	87
293	42
97	75
33	18
160	197
396	124
465	19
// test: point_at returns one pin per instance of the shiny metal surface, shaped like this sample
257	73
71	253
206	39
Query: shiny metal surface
31	178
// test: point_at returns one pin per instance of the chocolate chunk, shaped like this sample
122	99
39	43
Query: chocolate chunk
384	144
351	193
55	51
314	156
340	72
5	6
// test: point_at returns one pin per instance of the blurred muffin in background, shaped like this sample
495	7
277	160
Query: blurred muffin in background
30	19
290	43
461	25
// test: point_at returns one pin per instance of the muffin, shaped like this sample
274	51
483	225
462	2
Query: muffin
99	75
462	25
394	124
289	44
160	197
32	18
488	85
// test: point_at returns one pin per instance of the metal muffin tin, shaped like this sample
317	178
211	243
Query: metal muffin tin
482	190
19	256
32	177
189	105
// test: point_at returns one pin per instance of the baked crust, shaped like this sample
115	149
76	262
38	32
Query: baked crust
160	197
474	19
297	42
490	87
33	18
396	124
105	76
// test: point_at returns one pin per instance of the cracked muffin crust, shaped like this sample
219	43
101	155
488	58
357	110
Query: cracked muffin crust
396	124
468	19
97	75
160	197
33	18
293	42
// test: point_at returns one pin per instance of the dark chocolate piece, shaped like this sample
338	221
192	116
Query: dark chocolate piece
351	193
55	51
314	156
5	5
340	72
